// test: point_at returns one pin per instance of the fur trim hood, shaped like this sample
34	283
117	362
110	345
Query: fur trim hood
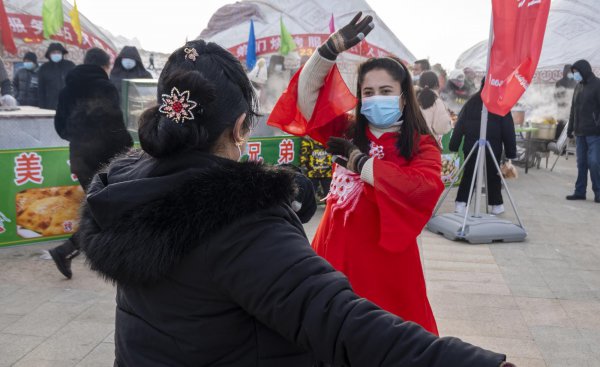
143	215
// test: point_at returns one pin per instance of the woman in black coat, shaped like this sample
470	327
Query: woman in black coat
500	134
211	263
90	118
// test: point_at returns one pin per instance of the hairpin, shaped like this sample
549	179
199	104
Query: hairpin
191	53
178	106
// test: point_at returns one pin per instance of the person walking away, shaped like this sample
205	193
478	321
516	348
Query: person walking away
151	62
433	108
90	118
584	124
128	65
500	134
386	184
26	81
52	74
212	267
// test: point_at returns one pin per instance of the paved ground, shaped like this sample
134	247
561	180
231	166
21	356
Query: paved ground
538	301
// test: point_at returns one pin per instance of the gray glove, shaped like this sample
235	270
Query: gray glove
347	37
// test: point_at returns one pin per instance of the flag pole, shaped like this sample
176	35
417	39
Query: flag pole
483	131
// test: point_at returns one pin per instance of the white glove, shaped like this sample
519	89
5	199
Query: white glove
8	101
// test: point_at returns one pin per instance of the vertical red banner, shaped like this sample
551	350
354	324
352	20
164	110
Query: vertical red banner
7	37
519	27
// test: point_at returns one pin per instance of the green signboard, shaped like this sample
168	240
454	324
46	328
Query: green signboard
40	198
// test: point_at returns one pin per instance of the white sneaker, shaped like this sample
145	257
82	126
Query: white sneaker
497	209
460	207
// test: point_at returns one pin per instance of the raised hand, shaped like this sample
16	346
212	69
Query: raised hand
347	37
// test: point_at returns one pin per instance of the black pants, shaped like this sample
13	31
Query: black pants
494	183
323	184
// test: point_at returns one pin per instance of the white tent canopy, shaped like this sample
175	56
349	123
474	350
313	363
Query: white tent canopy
229	26
572	33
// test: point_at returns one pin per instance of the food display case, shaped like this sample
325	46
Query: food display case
136	96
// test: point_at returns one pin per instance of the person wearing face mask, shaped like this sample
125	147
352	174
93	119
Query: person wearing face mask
212	265
89	116
51	76
584	125
6	89
419	68
26	81
387	176
128	65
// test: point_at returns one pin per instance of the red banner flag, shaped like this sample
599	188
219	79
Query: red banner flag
519	27
7	37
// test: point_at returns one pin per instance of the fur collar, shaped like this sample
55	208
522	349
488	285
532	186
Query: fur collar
142	244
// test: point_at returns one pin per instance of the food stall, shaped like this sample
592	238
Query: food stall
39	197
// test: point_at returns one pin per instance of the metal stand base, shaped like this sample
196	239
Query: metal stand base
478	230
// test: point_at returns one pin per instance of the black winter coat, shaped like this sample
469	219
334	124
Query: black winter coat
500	130
118	72
213	268
26	87
51	80
89	117
585	109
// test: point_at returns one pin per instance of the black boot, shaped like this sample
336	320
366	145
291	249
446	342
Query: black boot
576	197
62	256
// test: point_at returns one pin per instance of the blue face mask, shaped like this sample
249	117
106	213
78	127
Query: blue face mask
28	65
56	57
381	111
570	75
128	64
577	76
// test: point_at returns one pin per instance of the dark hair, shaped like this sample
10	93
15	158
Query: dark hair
216	81
424	64
414	123
96	56
428	82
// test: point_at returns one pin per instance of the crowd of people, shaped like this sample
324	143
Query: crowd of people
40	85
208	253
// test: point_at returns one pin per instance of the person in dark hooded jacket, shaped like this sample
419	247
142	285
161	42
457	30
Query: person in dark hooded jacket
212	265
500	134
26	81
584	124
128	65
89	117
52	74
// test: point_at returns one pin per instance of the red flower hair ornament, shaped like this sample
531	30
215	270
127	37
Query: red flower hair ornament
178	106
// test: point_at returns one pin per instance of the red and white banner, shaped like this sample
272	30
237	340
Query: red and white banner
30	29
519	27
306	43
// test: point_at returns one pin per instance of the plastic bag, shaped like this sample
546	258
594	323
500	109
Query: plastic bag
509	170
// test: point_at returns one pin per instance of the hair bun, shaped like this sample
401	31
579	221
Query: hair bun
201	91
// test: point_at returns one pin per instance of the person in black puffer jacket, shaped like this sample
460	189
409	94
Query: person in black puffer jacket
500	134
584	123
26	81
128	65
52	74
212	265
89	117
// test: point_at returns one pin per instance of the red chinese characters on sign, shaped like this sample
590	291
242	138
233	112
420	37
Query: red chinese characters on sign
28	168
254	151
286	151
30	29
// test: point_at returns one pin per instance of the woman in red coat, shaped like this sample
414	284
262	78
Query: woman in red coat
387	177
